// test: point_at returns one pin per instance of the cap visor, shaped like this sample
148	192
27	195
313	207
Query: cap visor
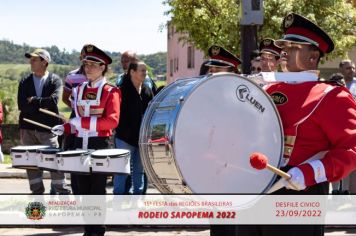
217	64
29	55
266	51
94	59
282	42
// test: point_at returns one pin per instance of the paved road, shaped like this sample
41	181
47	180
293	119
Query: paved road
15	185
19	186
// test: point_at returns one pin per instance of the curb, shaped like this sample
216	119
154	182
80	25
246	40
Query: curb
6	171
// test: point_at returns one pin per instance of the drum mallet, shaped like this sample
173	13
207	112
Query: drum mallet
36	123
260	161
53	114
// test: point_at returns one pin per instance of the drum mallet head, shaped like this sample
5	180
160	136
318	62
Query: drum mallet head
260	161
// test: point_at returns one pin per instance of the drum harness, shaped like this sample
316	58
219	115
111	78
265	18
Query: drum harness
78	101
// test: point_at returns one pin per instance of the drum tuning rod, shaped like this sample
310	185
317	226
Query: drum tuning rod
53	114
36	123
260	161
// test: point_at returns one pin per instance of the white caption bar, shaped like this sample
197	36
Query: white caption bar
178	209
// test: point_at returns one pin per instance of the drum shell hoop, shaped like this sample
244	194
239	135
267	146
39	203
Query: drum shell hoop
115	156
72	155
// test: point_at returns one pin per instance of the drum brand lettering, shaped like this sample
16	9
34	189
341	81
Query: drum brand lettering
243	94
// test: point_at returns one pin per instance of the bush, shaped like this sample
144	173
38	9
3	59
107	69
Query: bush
11	137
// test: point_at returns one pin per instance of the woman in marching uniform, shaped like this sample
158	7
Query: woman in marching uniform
97	109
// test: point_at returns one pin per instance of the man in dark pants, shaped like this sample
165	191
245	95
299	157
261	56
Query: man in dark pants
319	147
41	89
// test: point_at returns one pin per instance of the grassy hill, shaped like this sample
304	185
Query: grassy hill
19	71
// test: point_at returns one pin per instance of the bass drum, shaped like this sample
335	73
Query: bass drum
198	133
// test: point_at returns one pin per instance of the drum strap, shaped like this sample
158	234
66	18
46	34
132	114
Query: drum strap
288	147
79	101
264	78
291	77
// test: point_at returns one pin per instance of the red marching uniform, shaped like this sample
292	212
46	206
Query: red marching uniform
98	109
316	141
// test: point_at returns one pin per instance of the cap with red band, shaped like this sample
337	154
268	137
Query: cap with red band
220	57
93	53
268	45
301	30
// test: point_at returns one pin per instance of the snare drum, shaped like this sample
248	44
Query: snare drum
74	161
198	133
25	157
111	161
46	158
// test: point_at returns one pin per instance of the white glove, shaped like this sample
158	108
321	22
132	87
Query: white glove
77	122
296	182
58	130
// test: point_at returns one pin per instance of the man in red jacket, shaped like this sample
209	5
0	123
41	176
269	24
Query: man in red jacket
319	122
221	60
270	54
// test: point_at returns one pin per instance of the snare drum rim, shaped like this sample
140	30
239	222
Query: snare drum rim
49	150
123	155
22	149
72	154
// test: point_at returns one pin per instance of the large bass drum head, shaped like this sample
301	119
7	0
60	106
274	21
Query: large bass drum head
221	122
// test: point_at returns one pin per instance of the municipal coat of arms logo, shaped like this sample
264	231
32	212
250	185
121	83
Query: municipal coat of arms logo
35	211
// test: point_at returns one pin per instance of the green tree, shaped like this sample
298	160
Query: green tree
208	22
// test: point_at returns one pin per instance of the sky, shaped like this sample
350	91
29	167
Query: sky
112	25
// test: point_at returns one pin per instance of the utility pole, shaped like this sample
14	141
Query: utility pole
251	15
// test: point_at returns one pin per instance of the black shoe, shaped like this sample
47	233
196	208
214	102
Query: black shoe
335	192
345	192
